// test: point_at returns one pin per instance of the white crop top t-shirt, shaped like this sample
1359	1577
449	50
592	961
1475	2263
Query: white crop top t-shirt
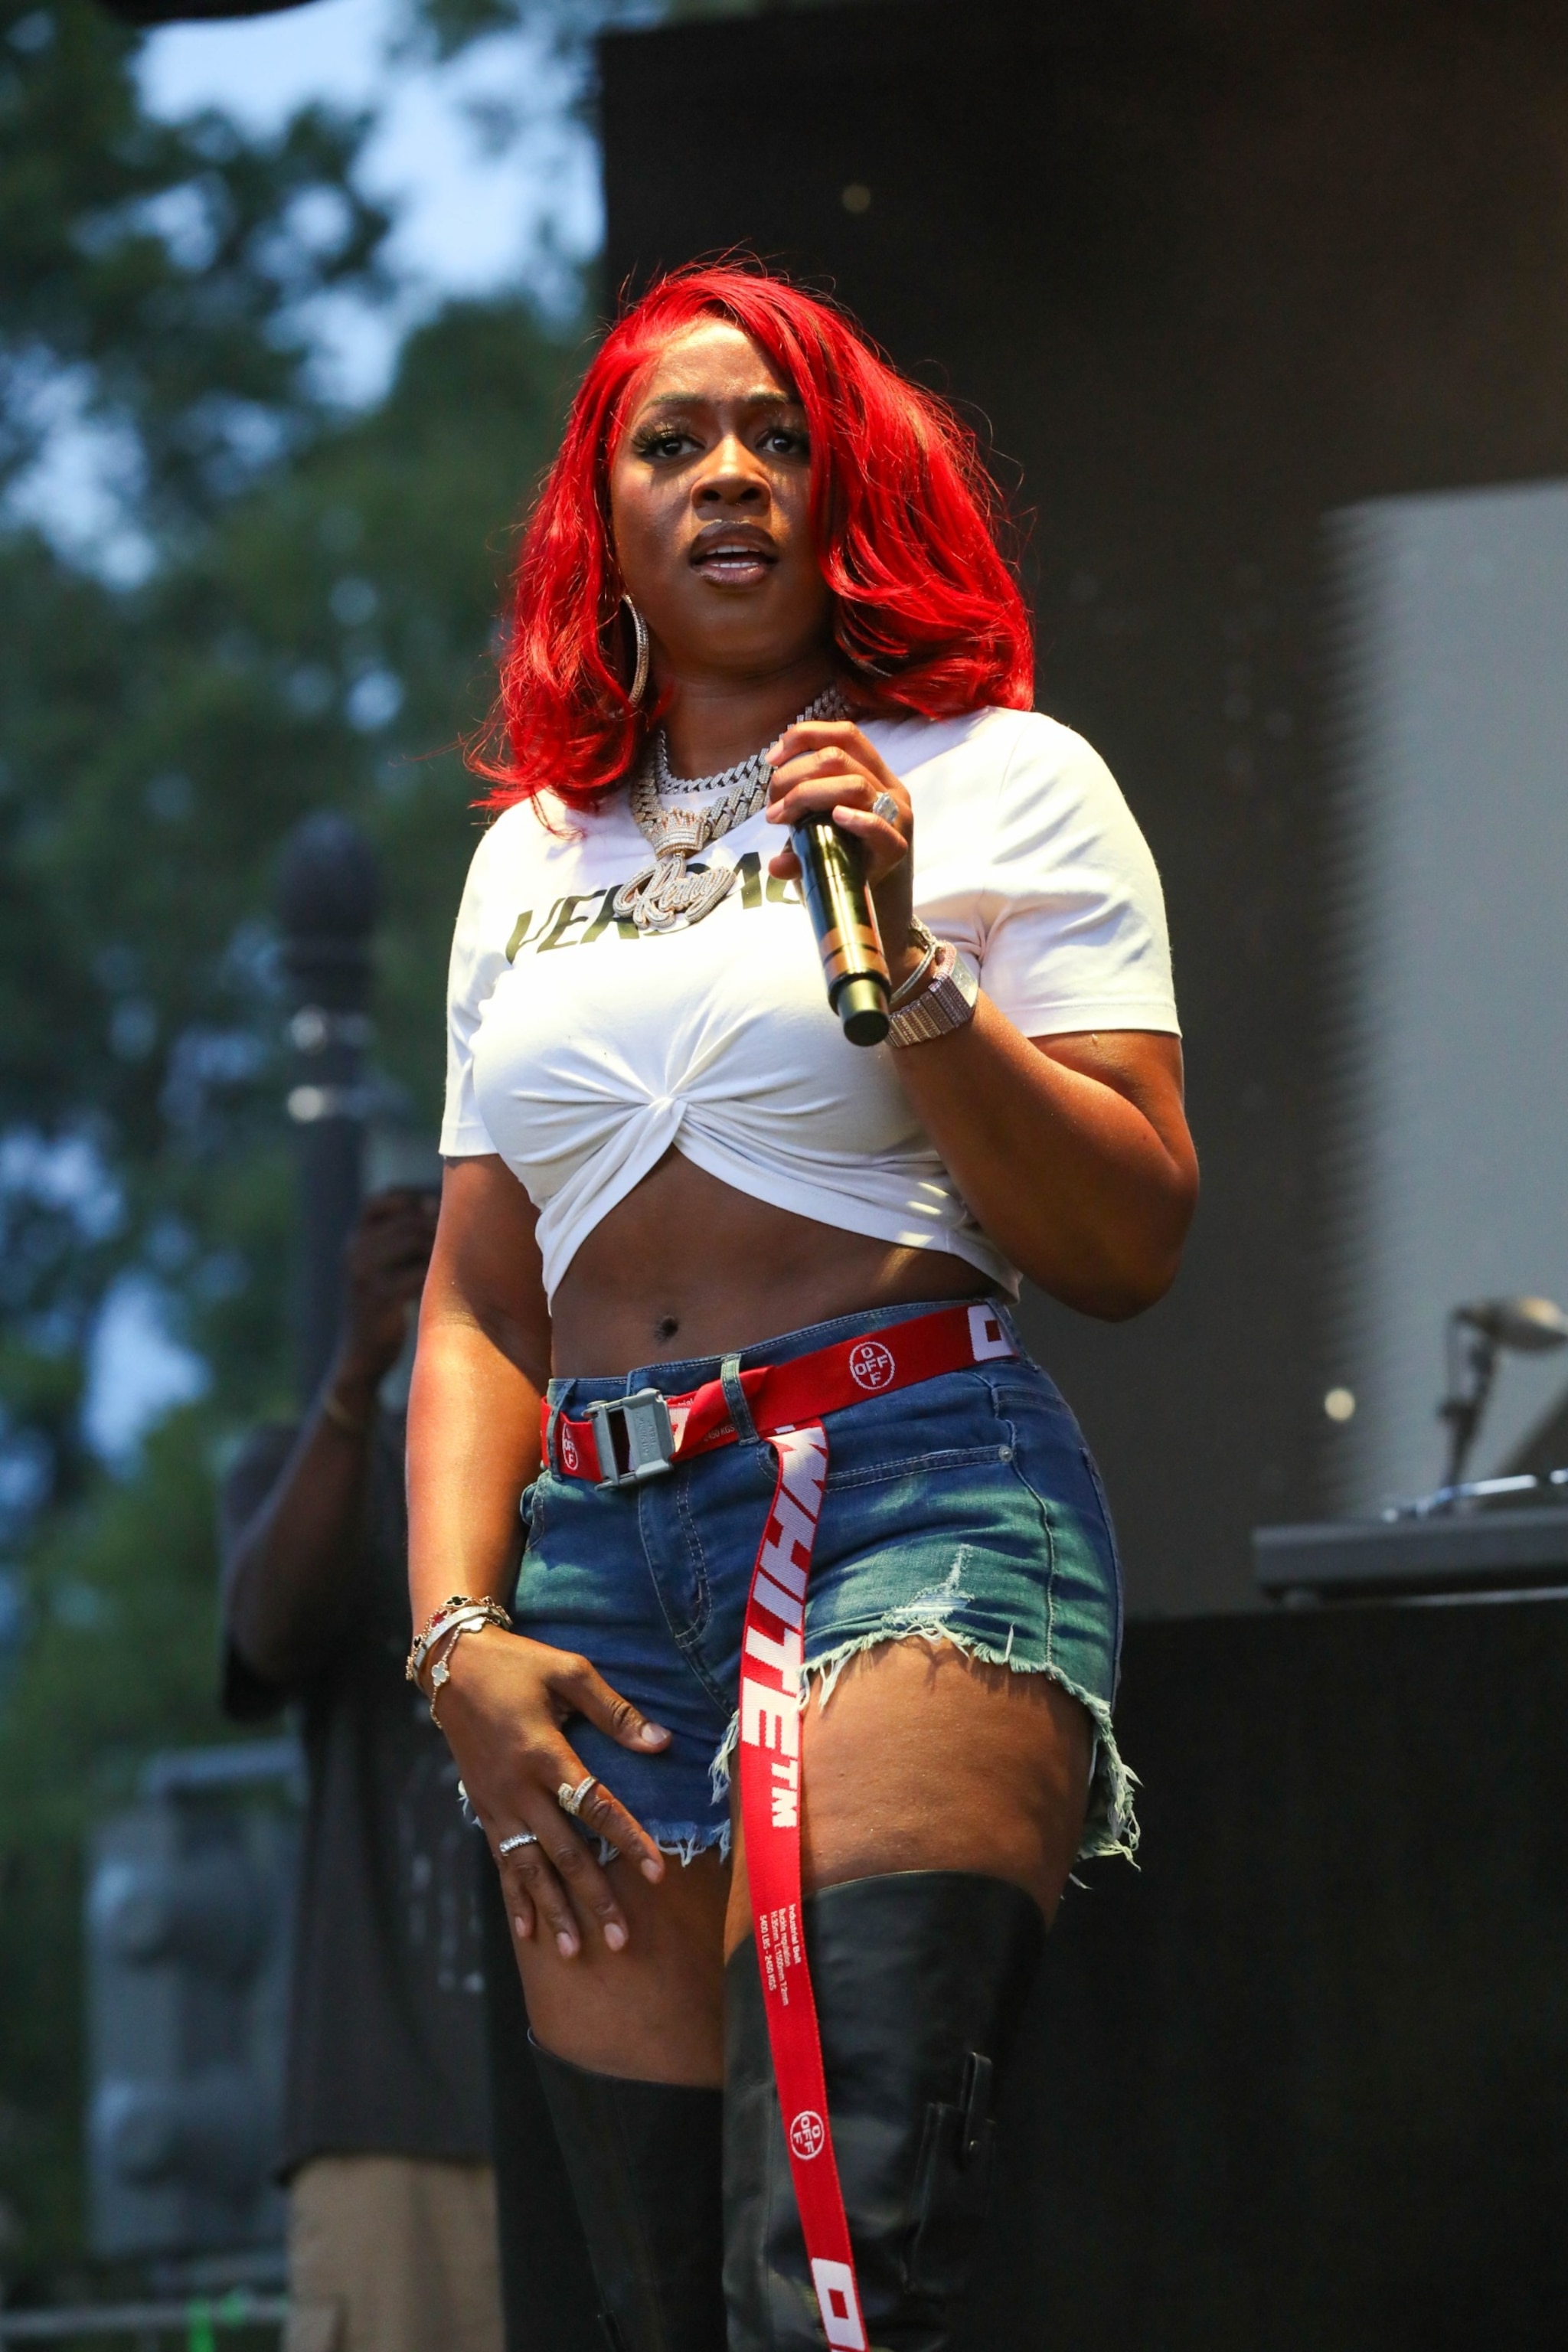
581	1050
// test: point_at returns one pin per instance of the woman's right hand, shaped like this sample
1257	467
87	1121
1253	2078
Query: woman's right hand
502	1709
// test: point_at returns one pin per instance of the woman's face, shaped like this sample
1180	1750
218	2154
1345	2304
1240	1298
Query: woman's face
709	496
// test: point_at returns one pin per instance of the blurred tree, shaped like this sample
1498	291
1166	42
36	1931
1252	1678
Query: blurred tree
156	289
286	607
156	281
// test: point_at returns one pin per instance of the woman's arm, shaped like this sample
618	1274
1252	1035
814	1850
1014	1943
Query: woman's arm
473	1447
1072	1153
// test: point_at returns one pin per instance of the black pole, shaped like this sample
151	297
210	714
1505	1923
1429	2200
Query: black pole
1472	1368
328	899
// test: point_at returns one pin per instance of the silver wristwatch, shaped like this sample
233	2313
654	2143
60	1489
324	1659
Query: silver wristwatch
945	990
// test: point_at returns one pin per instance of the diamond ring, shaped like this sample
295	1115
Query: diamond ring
886	807
520	1837
569	1798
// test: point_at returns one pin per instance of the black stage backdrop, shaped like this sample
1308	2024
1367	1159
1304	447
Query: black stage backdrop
1210	270
1297	2084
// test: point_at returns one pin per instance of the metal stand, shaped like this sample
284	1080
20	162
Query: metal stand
1472	1369
328	894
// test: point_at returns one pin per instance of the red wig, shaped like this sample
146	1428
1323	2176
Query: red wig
928	616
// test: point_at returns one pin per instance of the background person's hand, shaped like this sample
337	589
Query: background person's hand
502	1711
826	767
385	1264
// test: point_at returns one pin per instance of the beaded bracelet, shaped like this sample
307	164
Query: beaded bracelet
459	1611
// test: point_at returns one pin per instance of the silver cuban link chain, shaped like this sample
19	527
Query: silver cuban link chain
665	896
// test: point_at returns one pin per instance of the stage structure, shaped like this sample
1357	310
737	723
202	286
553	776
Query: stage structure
1451	898
1217	274
1270	307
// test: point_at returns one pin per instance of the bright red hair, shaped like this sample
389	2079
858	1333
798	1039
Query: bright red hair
928	616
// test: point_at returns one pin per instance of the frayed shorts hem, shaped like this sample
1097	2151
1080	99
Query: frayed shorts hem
963	1510
1110	1825
684	1841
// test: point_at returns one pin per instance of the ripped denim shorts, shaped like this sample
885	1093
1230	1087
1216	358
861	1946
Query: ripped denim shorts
965	1509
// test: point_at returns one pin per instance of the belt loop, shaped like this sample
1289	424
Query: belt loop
735	1398
553	1414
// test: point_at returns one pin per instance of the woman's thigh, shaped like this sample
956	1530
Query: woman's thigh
924	1758
963	1525
655	2011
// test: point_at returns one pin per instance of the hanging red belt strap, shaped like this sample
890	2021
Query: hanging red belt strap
642	1436
773	1646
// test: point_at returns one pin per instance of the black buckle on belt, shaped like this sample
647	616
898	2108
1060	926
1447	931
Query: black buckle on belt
634	1438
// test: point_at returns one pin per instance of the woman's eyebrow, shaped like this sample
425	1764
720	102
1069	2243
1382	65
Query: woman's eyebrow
668	403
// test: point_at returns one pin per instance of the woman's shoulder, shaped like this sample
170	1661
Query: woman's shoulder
532	836
989	750
524	829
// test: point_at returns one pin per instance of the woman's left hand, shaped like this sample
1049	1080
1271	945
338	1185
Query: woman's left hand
825	767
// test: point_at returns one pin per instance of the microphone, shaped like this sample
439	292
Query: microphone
1526	1325
832	880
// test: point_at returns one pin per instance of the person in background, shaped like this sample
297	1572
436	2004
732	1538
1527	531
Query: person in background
386	2118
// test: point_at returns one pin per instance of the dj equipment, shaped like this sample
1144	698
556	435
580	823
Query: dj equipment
1463	1549
1477	1332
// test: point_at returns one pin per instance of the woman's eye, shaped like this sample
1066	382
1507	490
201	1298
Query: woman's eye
784	443
664	445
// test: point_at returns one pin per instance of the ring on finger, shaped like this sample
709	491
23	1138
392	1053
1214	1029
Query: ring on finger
569	1798
519	1838
886	807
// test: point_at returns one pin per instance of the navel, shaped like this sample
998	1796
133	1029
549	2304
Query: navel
665	1329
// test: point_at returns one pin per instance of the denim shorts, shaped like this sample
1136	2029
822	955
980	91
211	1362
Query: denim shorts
963	1510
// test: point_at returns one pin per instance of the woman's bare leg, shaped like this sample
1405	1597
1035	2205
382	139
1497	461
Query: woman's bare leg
925	1760
655	2012
921	1760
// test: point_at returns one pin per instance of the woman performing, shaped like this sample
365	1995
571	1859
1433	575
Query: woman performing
802	1710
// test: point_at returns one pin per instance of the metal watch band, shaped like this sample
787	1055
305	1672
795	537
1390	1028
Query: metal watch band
946	1002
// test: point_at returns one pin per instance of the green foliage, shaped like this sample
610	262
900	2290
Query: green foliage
377	572
312	629
171	266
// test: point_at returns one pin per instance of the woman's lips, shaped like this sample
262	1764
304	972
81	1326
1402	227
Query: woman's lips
733	567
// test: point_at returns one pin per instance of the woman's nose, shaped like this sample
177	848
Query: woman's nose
732	476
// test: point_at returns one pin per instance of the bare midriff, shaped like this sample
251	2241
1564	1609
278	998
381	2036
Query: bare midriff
685	1266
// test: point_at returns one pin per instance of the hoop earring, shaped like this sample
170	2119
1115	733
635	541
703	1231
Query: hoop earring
639	672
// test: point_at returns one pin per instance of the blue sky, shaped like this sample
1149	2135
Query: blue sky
489	173
493	180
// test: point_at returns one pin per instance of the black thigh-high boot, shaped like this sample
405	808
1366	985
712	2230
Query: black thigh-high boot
918	1979
644	2165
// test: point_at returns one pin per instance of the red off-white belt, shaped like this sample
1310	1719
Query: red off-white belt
623	1442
